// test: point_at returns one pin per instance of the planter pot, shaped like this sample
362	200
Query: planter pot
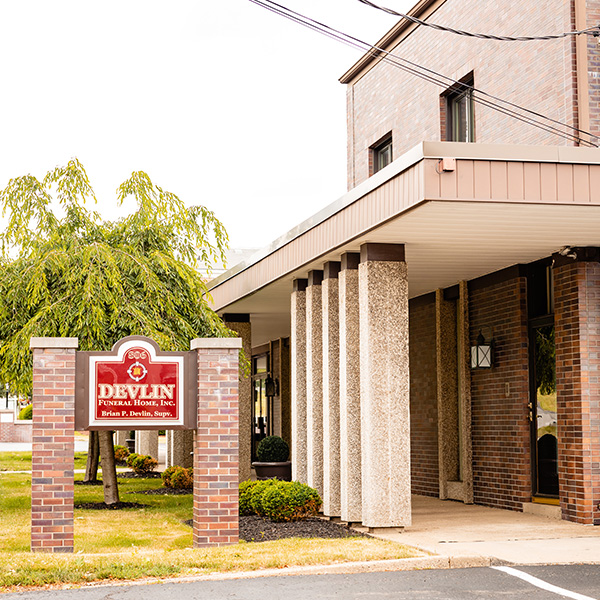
269	470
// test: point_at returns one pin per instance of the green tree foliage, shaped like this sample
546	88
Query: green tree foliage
66	272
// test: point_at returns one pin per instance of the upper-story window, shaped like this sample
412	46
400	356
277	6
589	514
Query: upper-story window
381	154
460	114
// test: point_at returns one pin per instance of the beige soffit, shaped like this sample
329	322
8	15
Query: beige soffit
422	10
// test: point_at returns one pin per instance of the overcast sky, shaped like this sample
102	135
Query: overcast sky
221	102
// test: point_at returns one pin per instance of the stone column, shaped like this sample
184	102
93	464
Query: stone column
447	396
350	452
240	323
384	386
180	448
216	459
146	442
52	486
298	381
331	390
121	437
314	380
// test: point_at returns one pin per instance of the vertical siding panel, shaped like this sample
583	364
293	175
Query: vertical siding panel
482	183
465	169
532	183
581	183
432	180
515	181
564	174
499	180
548	182
595	184
448	184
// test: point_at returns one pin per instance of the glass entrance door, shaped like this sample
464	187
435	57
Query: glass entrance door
543	412
261	403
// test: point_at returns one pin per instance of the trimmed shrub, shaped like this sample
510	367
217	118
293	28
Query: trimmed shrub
278	500
143	463
26	413
290	501
273	449
256	495
246	488
131	458
178	478
121	454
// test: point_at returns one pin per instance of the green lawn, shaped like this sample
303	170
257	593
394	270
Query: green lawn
151	541
21	461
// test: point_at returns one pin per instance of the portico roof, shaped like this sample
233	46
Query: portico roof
494	207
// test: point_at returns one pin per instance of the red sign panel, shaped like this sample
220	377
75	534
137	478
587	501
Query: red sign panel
137	388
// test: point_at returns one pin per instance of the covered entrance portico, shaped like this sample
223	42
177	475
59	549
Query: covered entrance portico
383	295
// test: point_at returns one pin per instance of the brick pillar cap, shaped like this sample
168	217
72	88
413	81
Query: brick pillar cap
54	342
198	343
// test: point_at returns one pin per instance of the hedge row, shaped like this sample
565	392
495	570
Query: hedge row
278	500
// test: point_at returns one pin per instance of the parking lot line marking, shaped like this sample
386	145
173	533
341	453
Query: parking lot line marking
543	584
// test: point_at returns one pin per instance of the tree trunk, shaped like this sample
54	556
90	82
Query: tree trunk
91	467
109	470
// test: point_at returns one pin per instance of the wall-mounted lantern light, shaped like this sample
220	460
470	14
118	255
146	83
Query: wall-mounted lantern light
270	387
482	353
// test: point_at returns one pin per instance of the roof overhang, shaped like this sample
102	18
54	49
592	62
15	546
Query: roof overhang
500	206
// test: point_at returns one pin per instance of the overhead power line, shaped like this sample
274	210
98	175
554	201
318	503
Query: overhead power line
506	107
593	31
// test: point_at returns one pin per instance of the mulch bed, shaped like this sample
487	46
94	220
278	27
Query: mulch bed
103	506
97	482
134	475
163	492
258	529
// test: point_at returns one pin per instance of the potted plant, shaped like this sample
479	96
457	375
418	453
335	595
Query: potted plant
273	453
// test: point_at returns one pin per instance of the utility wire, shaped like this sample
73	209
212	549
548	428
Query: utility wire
536	119
593	31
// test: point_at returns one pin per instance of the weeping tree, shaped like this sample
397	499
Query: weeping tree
68	273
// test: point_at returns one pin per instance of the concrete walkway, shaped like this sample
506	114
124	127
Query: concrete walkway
478	535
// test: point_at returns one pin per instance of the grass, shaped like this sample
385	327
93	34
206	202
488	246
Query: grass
148	542
21	461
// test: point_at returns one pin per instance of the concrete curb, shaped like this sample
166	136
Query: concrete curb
400	564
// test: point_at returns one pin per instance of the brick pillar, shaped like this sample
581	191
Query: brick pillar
298	381
384	386
331	391
52	486
240	323
216	454
350	467
577	338
314	380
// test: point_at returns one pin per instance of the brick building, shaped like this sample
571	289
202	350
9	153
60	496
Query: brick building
481	241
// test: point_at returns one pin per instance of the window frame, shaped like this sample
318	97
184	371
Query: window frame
379	150
462	91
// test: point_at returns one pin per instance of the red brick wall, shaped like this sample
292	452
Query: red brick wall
52	489
577	318
18	431
500	424
536	75
216	458
423	397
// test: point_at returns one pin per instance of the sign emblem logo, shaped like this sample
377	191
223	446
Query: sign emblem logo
137	371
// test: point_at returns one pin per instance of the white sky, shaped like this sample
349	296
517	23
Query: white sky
221	102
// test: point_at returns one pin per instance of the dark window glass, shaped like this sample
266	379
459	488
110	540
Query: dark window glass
460	113
382	154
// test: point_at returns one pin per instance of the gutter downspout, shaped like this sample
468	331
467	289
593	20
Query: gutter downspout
582	112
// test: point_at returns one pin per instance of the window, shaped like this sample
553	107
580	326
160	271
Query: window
460	115
381	154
